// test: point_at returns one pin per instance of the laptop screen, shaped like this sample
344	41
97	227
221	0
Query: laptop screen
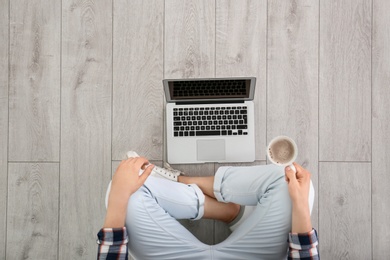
209	89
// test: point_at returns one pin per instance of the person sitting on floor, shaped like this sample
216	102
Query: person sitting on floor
264	206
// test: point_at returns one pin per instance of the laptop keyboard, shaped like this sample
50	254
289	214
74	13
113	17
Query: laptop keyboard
211	88
210	121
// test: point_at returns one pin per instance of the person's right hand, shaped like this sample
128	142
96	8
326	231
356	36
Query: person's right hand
127	180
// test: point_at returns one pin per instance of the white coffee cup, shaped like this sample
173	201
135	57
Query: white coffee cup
283	151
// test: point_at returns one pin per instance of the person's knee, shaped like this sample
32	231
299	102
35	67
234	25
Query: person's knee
280	195
276	170
137	199
277	192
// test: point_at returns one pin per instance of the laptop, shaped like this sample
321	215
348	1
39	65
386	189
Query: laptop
210	120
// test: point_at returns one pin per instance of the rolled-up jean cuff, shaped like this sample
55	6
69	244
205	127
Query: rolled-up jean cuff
201	199
218	178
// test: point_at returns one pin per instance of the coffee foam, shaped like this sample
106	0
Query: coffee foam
282	151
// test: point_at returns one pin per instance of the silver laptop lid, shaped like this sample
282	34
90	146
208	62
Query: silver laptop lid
205	90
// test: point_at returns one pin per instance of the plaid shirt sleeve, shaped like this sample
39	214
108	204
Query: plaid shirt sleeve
112	243
303	246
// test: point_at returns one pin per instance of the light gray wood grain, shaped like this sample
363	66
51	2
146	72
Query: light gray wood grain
32	223
292	91
189	38
85	124
381	130
345	210
34	87
345	80
137	78
241	38
4	25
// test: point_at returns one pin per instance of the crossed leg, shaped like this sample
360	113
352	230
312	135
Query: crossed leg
213	209
204	183
152	210
264	232
221	211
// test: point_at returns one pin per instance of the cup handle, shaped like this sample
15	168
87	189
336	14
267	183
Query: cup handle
292	167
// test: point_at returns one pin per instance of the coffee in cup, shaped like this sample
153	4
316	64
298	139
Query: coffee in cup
283	151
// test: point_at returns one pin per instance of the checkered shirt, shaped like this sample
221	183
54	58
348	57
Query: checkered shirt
303	246
113	245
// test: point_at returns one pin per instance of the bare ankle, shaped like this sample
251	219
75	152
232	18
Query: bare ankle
182	179
234	209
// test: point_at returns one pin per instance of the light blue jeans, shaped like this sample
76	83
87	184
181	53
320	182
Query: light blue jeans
154	232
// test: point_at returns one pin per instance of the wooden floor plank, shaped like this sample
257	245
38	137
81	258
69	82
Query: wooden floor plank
292	91
34	86
381	130
85	124
137	78
87	54
241	30
345	210
345	80
189	39
4	26
32	223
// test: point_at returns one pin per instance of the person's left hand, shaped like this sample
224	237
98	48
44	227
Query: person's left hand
298	184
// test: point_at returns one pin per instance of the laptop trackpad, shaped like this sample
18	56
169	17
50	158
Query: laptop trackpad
211	150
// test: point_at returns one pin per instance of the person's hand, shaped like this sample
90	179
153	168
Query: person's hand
298	188
125	182
298	184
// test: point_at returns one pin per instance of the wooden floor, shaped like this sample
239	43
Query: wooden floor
80	84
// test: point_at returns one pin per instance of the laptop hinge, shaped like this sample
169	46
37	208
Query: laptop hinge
210	102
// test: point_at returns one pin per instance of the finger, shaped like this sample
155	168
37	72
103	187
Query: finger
301	172
130	159
297	166
140	161
145	165
285	174
146	173
290	174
